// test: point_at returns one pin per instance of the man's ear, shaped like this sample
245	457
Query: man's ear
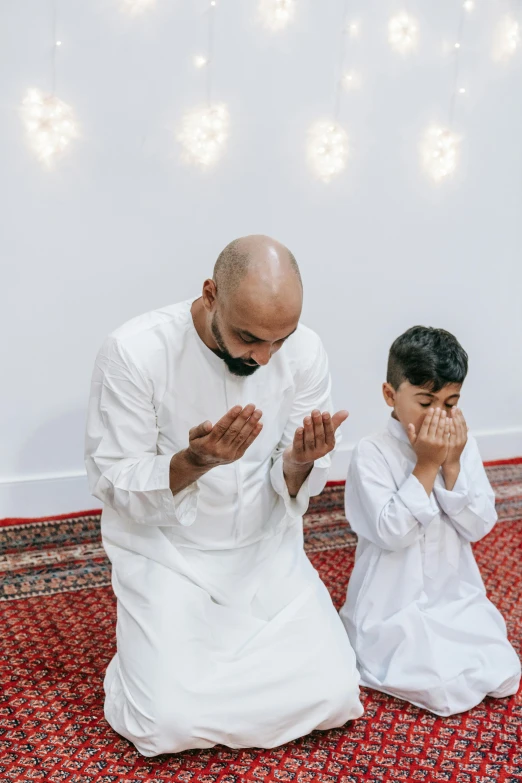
388	392
209	295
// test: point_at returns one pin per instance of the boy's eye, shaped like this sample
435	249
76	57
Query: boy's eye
425	404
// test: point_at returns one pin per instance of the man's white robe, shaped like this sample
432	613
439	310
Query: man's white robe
416	609
225	633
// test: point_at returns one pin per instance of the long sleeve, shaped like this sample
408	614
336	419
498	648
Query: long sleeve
391	517
470	505
124	468
314	386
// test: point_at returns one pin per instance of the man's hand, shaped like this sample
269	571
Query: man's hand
431	445
227	440
313	440
458	438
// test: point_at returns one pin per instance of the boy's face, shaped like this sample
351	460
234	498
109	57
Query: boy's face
411	403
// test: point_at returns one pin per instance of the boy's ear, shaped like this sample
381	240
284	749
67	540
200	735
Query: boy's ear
388	392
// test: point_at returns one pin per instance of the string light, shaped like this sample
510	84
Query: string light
275	15
403	34
49	123
203	135
439	151
137	7
204	131
327	149
506	39
351	80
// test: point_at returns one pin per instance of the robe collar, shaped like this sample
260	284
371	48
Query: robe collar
396	429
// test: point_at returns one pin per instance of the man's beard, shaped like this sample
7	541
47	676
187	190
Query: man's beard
236	366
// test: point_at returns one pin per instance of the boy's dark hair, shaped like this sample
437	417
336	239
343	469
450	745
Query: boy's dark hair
426	357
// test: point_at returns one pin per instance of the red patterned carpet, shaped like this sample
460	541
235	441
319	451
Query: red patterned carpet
57	636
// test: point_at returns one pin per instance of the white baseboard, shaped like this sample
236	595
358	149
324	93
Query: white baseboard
47	494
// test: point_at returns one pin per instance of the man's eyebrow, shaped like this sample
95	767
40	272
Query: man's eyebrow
258	339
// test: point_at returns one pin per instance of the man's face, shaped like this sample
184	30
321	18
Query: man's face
244	350
411	403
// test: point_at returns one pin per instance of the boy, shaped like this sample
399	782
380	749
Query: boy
417	494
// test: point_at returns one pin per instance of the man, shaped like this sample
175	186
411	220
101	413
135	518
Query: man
225	633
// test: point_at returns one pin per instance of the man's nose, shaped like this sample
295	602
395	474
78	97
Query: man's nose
262	354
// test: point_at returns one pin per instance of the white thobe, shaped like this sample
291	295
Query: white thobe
225	632
416	610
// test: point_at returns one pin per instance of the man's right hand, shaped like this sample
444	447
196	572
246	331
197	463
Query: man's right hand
226	441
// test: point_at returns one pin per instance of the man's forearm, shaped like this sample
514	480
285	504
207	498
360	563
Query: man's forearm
184	470
295	476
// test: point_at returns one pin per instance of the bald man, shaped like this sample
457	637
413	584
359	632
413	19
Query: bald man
209	428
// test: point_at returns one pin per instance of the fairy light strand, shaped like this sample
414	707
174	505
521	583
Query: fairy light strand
456	70
204	131
342	61
440	146
327	145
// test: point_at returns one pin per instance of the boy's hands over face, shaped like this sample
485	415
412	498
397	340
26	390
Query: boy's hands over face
458	438
431	443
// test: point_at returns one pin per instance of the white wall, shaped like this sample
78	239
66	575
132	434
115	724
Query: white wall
120	226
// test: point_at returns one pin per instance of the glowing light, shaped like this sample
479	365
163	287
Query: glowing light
276	14
136	7
203	135
457	46
506	39
58	43
403	33
49	123
200	61
354	29
439	152
462	90
327	149
351	80
469	5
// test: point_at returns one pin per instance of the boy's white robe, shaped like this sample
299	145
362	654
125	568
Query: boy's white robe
416	610
225	633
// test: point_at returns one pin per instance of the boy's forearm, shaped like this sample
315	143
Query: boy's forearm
426	473
451	474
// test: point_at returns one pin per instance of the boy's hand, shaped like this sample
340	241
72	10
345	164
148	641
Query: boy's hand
457	441
458	438
431	443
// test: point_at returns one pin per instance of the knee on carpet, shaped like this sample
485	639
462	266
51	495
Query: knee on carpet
340	691
168	730
508	688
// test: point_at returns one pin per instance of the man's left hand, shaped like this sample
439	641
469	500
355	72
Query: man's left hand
314	439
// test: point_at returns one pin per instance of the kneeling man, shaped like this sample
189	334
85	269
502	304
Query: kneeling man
209	428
